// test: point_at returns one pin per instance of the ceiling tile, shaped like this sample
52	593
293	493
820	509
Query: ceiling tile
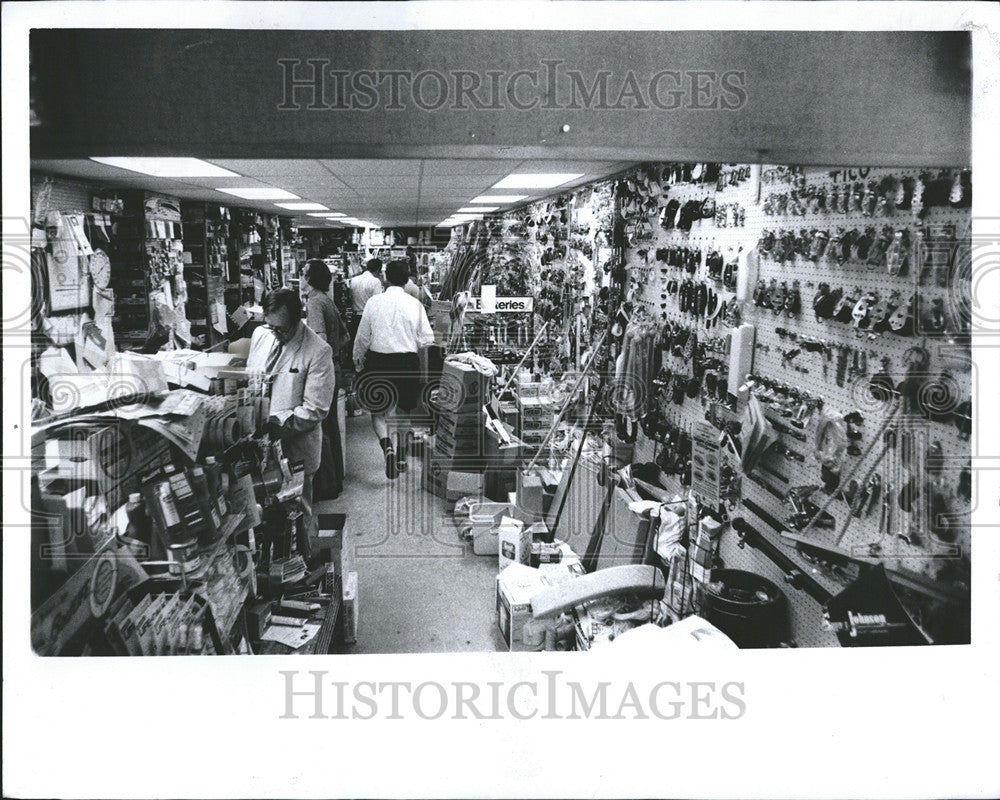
322	182
472	183
373	166
268	168
584	167
215	183
364	183
466	166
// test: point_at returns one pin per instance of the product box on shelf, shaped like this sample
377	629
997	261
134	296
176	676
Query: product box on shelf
328	541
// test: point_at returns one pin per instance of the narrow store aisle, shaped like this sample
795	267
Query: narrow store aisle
421	589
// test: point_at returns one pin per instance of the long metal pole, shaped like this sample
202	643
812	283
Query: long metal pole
524	358
569	399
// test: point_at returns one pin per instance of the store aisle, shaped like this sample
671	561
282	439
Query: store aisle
421	590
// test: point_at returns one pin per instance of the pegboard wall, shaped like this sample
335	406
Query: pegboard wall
840	359
61	194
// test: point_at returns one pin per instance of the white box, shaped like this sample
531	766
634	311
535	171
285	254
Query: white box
513	542
515	587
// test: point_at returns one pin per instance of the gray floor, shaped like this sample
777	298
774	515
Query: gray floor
420	588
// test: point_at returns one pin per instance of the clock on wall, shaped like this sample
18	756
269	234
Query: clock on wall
100	269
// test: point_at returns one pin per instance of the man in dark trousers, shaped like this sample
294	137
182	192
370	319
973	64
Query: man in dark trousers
394	329
324	318
297	366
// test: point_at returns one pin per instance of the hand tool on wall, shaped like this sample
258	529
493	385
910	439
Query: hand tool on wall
857	466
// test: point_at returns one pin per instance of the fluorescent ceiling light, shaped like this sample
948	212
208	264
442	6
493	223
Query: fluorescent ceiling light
303	206
328	214
168	167
259	193
466	216
536	180
478	209
499	198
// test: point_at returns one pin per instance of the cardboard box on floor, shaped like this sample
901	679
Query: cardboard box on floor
514	589
516	585
513	541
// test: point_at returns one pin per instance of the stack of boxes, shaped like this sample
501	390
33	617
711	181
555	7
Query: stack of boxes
535	414
703	548
459	440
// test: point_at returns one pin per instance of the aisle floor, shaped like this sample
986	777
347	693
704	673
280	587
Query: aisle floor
421	589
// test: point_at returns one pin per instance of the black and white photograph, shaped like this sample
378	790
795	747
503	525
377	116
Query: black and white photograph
516	400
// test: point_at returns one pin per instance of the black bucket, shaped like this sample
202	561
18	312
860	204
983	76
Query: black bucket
748	608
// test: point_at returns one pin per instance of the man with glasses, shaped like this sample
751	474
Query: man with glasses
298	366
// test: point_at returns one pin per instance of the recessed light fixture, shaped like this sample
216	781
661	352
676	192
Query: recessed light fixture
478	209
259	193
536	180
168	167
303	206
328	214
499	198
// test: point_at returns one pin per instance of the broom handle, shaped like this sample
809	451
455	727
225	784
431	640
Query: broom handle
524	358
569	399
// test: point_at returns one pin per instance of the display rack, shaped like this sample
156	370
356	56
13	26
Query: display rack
938	229
206	231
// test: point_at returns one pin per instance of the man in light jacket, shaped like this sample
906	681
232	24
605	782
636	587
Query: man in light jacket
298	366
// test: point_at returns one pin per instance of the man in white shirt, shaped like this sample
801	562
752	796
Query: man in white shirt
366	285
394	329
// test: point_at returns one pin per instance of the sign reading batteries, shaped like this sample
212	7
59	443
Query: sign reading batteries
489	303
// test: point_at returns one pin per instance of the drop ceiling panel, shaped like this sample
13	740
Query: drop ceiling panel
373	166
365	183
321	183
242	182
471	183
467	166
268	168
310	192
446	196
